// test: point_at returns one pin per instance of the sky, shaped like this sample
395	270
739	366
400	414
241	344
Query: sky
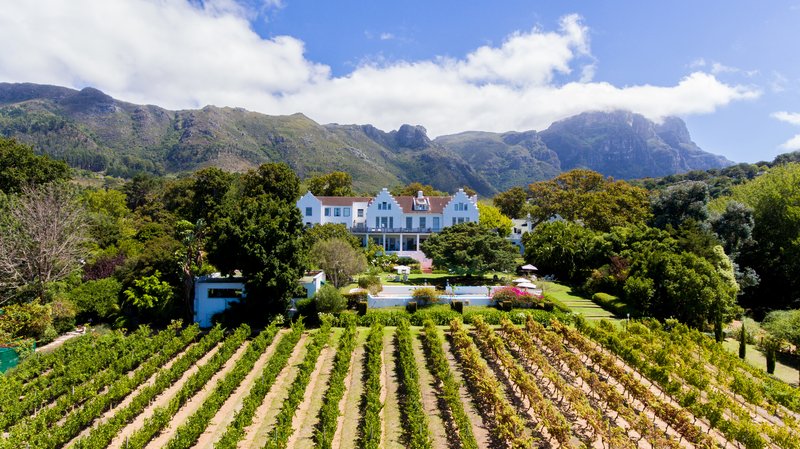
729	68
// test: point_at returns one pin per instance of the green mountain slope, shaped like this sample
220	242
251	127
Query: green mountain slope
94	131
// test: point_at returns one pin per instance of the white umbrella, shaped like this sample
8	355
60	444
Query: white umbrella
526	285
529	267
519	280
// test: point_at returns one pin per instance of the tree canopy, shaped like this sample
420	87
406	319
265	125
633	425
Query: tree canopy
260	233
332	184
470	248
492	218
587	196
511	202
338	259
414	187
21	167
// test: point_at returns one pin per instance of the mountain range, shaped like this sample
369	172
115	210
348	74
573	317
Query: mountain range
93	131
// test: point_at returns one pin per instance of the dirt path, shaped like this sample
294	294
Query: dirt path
305	418
346	435
160	400
265	415
125	402
392	433
194	404
427	384
225	415
479	428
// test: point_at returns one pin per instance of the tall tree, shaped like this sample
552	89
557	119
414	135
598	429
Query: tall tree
42	236
775	200
21	167
260	233
329	231
338	260
332	184
587	196
470	248
565	249
511	202
191	259
492	218
681	202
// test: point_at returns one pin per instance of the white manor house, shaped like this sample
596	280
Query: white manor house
397	223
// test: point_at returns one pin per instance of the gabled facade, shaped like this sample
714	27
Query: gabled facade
397	223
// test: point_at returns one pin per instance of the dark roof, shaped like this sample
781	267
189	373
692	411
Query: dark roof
437	204
343	200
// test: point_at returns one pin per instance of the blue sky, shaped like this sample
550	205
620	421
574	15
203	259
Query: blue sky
729	68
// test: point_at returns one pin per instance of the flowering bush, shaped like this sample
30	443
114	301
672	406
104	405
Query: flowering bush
516	296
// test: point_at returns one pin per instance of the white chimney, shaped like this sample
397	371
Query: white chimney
419	194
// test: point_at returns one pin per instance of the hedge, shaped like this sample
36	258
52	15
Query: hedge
441	316
611	303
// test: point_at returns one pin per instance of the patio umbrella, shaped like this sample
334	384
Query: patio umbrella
526	285
519	280
529	267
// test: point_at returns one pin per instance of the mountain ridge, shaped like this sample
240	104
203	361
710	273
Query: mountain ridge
92	130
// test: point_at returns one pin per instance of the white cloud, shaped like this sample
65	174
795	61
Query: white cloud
386	36
179	55
792	118
791	144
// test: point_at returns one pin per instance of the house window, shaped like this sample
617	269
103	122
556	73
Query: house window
327	211
337	211
454	220
346	212
409	222
421	222
436	223
460	220
384	222
361	213
377	222
308	211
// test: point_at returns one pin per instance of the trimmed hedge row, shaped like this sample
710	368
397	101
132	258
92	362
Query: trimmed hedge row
370	435
441	315
244	417
417	433
187	434
279	436
611	303
440	368
329	413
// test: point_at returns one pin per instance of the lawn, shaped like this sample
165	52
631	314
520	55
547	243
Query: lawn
578	304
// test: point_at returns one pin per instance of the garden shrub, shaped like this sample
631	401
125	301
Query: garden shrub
29	320
62	313
354	297
362	308
411	307
371	283
329	300
458	306
306	307
97	298
426	295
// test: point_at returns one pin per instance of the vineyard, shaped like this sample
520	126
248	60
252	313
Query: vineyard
479	386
